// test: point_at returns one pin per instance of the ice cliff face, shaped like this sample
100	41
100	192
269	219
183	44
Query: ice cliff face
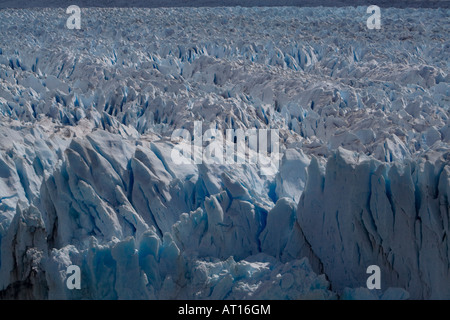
87	177
392	215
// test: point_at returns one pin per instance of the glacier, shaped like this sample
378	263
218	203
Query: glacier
87	177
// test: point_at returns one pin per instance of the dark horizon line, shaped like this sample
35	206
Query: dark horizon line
431	4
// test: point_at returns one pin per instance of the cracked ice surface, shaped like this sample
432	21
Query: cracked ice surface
87	178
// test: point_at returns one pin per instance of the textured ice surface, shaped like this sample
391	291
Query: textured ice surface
87	177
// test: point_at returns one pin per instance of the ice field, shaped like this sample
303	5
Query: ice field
87	175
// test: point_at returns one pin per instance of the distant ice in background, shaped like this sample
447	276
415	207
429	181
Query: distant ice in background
224	3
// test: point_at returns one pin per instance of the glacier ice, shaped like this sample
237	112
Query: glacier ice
87	177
